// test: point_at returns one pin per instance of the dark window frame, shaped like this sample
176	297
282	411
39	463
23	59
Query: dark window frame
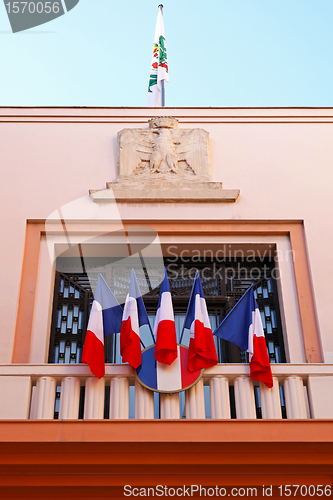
221	292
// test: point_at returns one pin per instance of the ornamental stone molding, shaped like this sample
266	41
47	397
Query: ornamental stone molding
164	164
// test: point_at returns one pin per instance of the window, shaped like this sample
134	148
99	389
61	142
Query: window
72	298
224	282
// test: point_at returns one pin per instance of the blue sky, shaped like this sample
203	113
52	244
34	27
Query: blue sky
220	53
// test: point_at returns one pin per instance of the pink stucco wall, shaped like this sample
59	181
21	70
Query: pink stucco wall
280	159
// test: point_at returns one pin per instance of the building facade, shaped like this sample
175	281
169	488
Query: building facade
81	196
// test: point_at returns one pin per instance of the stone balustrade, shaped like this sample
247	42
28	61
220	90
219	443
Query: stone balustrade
224	392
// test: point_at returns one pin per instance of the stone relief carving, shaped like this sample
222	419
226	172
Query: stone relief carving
164	164
164	151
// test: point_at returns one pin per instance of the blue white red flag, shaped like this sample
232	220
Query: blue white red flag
166	378
243	327
202	352
164	326
105	318
135	315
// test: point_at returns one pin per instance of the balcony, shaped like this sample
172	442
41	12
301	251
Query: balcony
49	391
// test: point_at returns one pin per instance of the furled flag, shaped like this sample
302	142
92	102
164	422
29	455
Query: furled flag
164	327
243	327
135	315
202	352
159	66
105	318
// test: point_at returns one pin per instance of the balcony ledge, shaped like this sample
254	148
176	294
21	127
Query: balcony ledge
167	431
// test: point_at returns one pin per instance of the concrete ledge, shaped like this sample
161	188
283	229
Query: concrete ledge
71	459
230	370
165	192
168	431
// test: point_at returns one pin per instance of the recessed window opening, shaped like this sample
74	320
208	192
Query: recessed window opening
225	278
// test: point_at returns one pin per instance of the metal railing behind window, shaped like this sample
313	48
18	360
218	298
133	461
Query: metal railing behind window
71	306
224	283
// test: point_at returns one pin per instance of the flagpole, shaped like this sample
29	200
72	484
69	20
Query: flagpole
162	82
188	305
181	336
162	94
151	331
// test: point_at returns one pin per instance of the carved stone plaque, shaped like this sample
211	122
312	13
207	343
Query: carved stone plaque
164	151
164	163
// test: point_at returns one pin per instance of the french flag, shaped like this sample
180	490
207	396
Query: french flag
166	378
105	318
243	327
164	326
202	352
135	315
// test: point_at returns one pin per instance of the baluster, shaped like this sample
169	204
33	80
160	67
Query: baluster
219	397
144	402
119	398
94	398
69	399
169	406
45	398
244	397
270	400
195	401
294	396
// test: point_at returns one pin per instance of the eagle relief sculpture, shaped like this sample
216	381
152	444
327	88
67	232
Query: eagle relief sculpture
163	151
164	164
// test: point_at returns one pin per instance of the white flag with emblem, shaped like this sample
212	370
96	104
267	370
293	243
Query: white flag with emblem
159	65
